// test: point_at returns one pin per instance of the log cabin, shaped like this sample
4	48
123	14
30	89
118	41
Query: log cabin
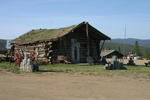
75	43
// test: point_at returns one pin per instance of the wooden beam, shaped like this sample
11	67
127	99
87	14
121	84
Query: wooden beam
102	46
87	34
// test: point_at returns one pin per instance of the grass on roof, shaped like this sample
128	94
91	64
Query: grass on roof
41	34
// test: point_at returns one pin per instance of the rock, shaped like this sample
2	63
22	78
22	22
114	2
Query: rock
28	65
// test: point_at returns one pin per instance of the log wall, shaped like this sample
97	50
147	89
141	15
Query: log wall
48	51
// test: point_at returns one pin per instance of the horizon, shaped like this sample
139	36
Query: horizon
109	17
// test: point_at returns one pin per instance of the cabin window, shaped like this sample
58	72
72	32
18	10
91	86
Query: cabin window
75	52
74	40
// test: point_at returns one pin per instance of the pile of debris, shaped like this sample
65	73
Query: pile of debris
114	64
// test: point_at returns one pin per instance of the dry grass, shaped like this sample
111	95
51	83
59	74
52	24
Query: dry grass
88	70
42	34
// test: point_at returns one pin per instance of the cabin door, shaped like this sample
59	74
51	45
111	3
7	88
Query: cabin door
75	52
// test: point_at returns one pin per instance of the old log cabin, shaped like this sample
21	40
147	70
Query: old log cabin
76	43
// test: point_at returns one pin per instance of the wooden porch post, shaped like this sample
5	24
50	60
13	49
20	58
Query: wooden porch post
102	47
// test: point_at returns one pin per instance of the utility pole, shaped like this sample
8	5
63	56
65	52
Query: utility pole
125	41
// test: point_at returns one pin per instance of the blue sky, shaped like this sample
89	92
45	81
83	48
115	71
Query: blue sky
108	16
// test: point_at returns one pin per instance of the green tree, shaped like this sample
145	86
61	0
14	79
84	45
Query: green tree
119	49
147	54
136	49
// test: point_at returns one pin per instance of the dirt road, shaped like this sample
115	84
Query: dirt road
61	86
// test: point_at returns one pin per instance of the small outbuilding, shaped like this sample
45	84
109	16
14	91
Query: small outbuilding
111	53
75	43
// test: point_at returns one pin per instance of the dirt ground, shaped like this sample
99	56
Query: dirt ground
63	86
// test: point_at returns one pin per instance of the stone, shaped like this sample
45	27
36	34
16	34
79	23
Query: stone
90	60
114	64
28	65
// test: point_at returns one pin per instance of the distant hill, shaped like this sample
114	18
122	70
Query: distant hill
131	41
112	44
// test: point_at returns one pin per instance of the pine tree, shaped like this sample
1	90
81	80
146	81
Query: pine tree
109	48
136	49
119	49
147	54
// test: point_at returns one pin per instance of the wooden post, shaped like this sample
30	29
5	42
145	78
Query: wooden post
98	49
87	34
102	46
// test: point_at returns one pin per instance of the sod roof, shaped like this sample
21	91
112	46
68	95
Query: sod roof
50	34
41	34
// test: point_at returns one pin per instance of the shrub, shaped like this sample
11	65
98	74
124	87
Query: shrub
41	62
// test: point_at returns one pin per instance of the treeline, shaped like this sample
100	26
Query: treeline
128	49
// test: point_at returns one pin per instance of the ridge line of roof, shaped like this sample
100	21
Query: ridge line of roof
52	36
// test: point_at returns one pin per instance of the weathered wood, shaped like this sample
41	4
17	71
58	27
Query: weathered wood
48	51
87	34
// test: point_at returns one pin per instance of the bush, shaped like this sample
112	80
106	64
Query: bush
41	62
